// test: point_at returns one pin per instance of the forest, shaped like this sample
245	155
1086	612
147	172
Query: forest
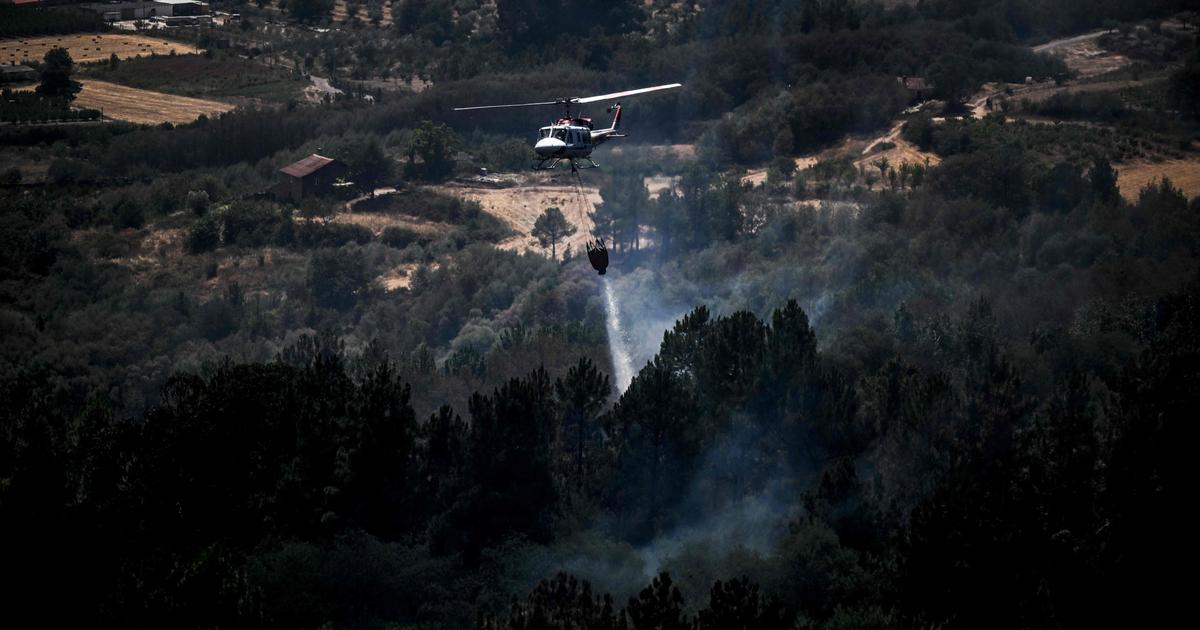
866	394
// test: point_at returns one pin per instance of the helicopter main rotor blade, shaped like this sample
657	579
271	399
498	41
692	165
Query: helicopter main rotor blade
463	109
605	97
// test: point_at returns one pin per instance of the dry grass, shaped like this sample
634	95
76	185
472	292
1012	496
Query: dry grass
682	152
144	106
341	13
1083	54
1184	175
399	277
90	47
902	152
377	222
657	184
519	208
758	176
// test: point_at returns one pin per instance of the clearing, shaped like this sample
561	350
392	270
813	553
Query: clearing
520	206
341	13
1083	54
657	184
893	148
143	106
89	47
1184	175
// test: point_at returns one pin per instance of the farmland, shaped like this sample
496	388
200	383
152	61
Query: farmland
143	106
89	47
1183	174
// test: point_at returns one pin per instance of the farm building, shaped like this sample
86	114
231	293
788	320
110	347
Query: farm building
181	8
918	87
17	74
146	9
314	175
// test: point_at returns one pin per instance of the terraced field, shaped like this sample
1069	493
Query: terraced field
89	47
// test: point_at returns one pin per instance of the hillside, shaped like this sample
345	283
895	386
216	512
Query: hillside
897	327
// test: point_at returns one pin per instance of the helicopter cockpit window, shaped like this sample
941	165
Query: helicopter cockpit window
560	134
544	132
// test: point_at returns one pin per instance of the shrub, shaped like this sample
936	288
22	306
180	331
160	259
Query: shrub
204	235
314	235
197	202
401	238
336	277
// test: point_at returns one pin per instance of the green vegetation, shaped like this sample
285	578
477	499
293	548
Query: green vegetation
202	76
30	107
1072	142
25	21
55	76
550	228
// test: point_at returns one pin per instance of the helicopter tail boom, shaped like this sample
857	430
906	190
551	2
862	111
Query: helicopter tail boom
616	116
600	135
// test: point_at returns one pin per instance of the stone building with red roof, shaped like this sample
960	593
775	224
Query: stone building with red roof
314	175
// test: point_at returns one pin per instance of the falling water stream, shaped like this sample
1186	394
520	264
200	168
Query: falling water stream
618	346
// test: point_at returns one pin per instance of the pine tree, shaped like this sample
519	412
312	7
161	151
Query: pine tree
550	228
581	395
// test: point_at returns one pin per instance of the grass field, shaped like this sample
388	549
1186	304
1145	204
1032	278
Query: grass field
143	106
88	47
1184	175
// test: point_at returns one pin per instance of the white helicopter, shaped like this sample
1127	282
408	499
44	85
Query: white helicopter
572	138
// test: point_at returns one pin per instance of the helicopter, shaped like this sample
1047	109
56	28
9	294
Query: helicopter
572	138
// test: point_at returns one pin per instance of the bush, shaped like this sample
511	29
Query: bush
313	235
203	236
337	277
248	224
129	214
197	202
401	238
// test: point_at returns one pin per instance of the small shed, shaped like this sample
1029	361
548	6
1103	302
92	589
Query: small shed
314	175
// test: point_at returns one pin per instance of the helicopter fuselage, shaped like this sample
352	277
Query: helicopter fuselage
574	138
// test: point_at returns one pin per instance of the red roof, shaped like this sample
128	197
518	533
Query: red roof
307	166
